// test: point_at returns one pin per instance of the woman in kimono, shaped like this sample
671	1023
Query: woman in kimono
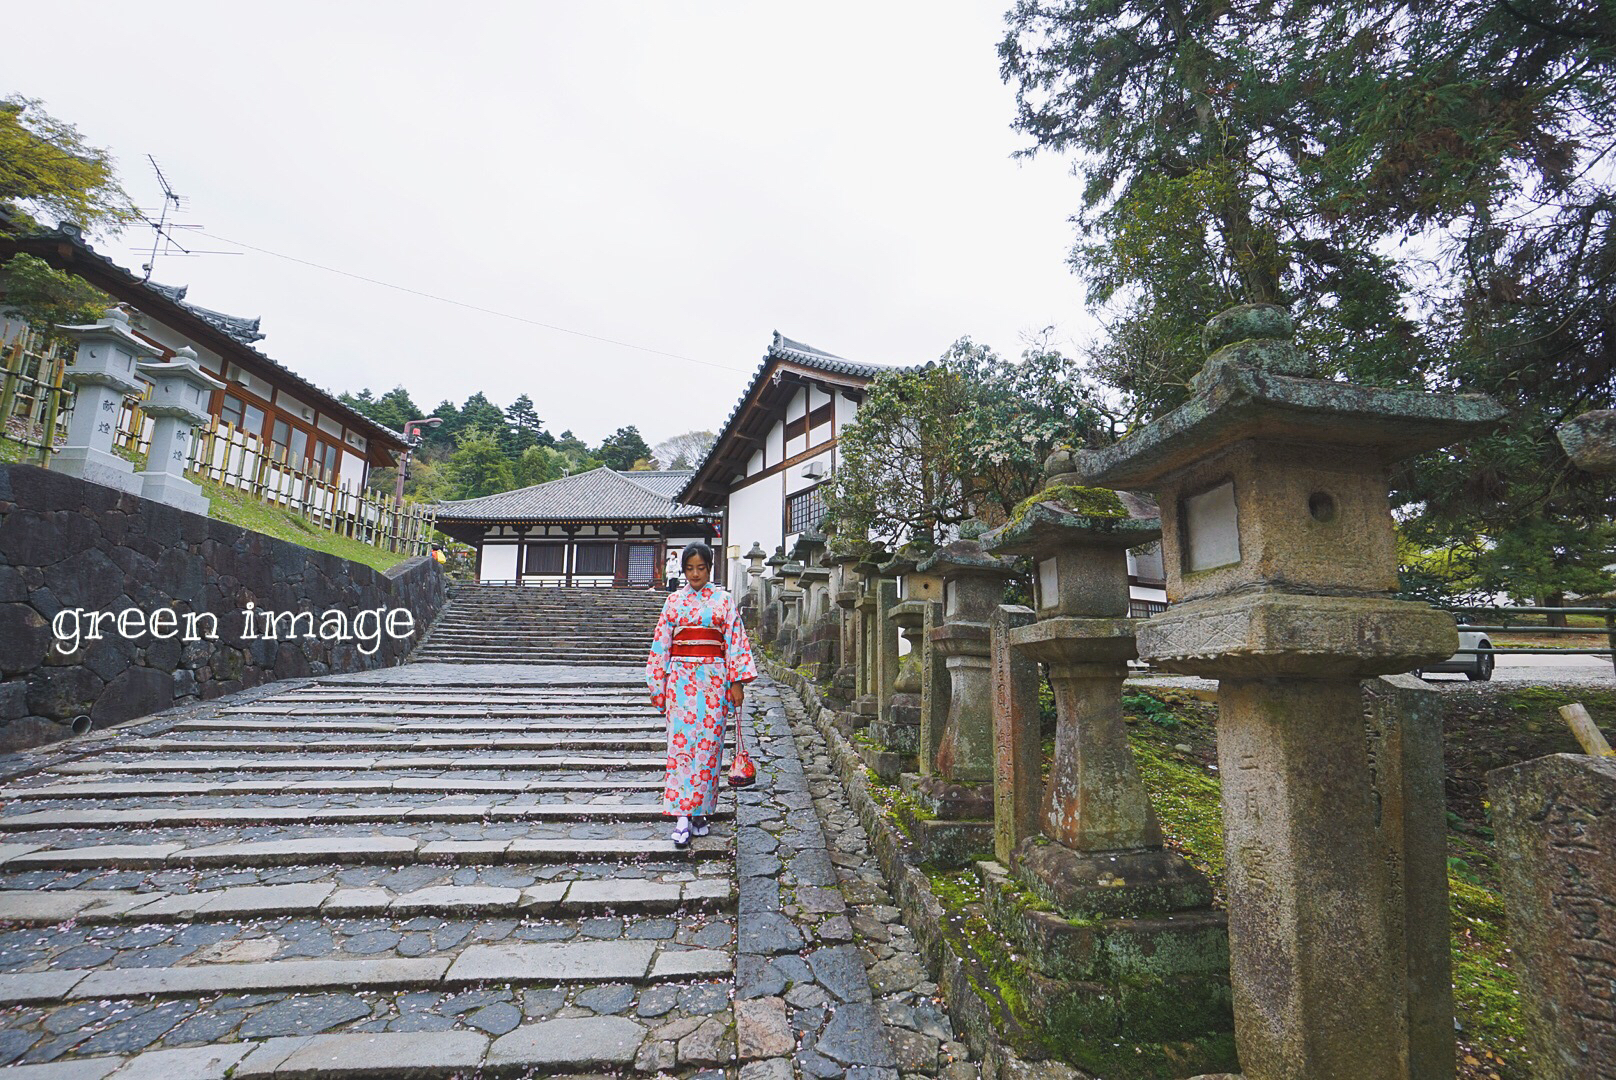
699	664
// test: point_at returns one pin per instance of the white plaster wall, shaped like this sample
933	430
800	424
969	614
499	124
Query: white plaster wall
754	515
499	562
846	411
354	469
754	463
773	448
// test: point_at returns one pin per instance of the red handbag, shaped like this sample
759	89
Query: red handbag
742	773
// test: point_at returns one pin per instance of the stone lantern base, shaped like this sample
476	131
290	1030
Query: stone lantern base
950	824
174	490
96	466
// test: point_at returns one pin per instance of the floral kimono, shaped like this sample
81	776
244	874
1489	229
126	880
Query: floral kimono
694	693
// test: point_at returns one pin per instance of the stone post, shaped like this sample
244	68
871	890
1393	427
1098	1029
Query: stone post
934	688
102	375
865	706
1280	556
180	395
1556	823
1018	757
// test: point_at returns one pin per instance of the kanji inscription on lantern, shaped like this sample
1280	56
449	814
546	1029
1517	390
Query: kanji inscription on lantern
1212	529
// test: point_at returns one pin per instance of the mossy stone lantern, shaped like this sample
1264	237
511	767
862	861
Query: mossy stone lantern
1280	554
973	586
1105	852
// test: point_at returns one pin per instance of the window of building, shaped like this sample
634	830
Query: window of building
230	412
545	558
805	509
597	559
325	461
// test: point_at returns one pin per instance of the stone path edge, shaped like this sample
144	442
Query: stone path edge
922	912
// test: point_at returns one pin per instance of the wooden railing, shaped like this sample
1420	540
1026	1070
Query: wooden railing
32	397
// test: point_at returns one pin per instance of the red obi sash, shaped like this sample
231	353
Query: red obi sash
698	643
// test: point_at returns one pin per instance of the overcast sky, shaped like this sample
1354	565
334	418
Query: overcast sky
686	177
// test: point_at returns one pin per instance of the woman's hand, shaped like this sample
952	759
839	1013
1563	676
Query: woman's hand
737	694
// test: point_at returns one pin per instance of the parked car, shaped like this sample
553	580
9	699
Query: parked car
1477	666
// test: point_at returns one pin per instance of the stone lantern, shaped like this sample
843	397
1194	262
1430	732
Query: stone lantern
866	707
752	602
1096	816
896	729
1280	557
844	595
181	392
957	783
102	375
770	616
790	639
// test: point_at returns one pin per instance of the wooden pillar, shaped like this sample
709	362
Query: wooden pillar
569	554
521	551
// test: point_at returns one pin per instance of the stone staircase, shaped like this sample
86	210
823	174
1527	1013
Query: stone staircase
422	871
508	624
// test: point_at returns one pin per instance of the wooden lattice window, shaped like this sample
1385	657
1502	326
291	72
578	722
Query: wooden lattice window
805	509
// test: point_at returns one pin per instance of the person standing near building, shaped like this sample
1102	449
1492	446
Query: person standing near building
699	665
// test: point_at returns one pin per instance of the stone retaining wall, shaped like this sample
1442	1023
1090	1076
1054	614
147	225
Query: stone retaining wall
67	543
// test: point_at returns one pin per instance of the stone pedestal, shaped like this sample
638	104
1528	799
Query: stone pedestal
934	686
752	602
1556	822
844	596
102	375
1280	552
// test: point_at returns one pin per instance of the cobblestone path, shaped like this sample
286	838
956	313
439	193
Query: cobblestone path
438	870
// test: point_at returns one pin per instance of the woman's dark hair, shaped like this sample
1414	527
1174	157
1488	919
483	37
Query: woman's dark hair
692	550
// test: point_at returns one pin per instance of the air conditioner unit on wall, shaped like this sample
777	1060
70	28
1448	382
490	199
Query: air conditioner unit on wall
814	470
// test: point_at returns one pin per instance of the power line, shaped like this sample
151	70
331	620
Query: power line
472	307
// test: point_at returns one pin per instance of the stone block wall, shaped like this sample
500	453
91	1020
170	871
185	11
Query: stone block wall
68	543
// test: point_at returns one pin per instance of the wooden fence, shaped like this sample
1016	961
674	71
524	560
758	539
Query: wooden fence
32	397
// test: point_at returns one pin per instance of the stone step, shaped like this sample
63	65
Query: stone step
383	743
294	763
159	788
554	1046
384	727
573	898
265	815
346	850
519	963
468	711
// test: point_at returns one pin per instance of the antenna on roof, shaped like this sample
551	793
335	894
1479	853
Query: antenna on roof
163	241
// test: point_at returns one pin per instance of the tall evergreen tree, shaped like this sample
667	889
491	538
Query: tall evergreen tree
1420	183
622	448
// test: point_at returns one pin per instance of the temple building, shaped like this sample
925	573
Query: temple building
595	528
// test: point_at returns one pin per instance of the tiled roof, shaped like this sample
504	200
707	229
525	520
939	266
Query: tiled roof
786	349
242	329
597	495
667	482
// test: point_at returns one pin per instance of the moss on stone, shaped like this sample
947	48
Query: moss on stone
1085	501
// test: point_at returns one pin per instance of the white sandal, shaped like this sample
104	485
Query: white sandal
681	833
698	825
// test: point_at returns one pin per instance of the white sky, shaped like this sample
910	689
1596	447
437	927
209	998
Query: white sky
683	176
